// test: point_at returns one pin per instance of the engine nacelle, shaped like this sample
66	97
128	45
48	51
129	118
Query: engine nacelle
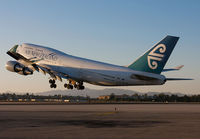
15	66
27	71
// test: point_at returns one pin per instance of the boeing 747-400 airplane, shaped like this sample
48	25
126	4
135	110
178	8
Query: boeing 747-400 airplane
146	70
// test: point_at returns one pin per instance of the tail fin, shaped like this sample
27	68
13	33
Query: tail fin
155	59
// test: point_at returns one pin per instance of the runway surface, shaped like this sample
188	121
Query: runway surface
100	121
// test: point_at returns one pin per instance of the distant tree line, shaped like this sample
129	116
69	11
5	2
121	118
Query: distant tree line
27	97
112	97
156	98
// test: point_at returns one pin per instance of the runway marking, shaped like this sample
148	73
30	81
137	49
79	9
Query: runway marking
106	113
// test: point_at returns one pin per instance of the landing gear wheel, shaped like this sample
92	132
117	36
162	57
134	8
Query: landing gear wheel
69	86
52	85
55	86
52	81
80	87
75	86
65	85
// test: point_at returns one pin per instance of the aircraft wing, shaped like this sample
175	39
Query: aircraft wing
40	68
173	69
56	75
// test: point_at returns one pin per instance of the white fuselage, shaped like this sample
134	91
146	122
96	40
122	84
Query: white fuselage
86	70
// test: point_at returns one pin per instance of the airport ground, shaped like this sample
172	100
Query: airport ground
162	121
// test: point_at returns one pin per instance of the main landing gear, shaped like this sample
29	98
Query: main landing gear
68	86
72	84
52	83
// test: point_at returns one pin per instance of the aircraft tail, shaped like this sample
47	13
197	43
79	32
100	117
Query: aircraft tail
154	60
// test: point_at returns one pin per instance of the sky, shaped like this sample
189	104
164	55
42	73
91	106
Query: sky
111	31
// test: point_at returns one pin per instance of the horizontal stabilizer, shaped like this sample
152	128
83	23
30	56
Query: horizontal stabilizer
173	69
178	79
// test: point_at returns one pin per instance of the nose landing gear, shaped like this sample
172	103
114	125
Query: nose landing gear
52	83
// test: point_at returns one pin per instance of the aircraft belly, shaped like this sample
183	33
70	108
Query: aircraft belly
103	78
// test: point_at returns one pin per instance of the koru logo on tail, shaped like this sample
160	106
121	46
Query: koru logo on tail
153	57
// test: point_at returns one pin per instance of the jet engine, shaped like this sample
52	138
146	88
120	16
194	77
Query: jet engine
15	66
